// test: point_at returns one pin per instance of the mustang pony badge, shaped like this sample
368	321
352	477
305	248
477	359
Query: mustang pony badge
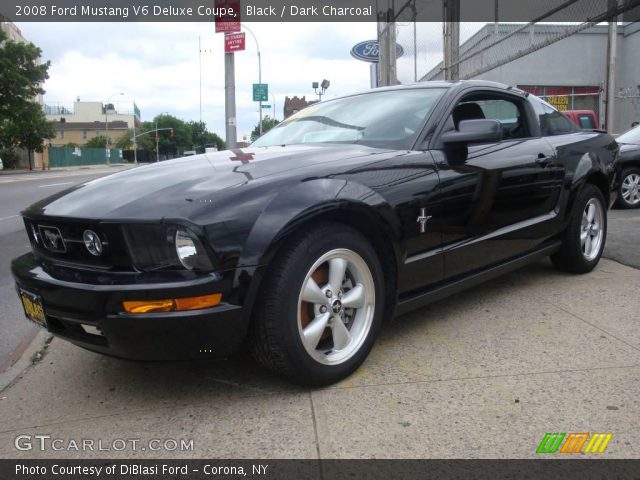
422	219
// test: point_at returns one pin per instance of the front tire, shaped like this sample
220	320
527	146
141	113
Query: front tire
320	307
629	190
583	239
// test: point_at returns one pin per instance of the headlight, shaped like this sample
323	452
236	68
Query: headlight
155	247
186	249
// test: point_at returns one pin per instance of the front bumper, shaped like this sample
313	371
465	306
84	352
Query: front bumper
85	308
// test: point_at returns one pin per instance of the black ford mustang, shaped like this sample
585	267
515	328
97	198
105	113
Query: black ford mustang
346	213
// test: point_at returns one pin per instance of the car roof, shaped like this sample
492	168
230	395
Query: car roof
448	84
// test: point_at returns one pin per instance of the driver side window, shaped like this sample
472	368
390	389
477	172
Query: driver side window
509	113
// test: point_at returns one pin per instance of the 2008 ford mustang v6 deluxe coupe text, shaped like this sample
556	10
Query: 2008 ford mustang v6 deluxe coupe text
301	245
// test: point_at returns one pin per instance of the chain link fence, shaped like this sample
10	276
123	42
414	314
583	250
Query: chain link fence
486	46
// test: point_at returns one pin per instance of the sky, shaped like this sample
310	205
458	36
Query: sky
157	64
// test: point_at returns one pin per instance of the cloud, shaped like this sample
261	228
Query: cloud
157	65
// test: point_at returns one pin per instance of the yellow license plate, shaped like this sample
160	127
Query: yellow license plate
33	307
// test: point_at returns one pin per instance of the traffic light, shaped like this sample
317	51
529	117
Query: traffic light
171	133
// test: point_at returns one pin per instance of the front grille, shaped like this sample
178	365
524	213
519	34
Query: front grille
62	242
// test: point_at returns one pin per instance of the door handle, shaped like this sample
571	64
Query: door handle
543	160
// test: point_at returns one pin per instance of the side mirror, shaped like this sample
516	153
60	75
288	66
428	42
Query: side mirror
474	131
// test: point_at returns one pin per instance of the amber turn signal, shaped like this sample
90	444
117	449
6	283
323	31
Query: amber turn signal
172	304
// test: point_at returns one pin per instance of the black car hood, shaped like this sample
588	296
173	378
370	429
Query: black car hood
154	191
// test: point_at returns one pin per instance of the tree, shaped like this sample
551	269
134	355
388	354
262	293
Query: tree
201	138
29	129
124	142
22	121
267	124
97	142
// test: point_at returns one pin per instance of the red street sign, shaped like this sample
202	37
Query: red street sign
226	22
233	42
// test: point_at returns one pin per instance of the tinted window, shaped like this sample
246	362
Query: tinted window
385	117
586	121
507	112
552	122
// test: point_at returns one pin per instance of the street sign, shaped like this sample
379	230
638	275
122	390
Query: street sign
369	51
266	106
260	92
228	23
234	42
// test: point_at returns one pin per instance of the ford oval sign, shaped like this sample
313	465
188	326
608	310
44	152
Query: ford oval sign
369	51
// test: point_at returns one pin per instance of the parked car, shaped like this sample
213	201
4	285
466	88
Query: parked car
585	119
346	213
1	164
629	167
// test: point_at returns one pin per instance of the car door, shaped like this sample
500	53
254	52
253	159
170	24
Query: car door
494	203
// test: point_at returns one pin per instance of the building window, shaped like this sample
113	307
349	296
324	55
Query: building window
61	134
84	134
97	132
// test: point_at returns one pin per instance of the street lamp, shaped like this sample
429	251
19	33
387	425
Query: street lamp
158	138
273	97
322	88
259	73
106	124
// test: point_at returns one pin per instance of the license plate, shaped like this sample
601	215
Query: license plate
33	308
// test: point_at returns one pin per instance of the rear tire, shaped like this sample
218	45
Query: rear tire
583	239
320	307
629	189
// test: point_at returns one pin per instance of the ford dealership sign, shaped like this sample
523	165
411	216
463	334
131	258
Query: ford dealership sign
369	51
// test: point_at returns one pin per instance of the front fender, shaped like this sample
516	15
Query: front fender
308	200
315	200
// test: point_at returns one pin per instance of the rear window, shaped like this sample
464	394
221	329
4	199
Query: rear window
586	121
552	122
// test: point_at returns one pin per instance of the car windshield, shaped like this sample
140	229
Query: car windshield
384	118
630	136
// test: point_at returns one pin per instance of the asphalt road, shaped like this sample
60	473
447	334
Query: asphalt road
17	191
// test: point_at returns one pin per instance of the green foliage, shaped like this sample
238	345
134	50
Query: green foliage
201	138
22	121
124	142
9	158
97	142
185	136
267	124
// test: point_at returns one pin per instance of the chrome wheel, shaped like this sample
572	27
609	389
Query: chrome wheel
631	189
592	229
336	306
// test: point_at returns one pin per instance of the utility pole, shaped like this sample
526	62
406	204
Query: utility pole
451	34
230	100
135	143
611	67
200	69
157	143
387	74
255	39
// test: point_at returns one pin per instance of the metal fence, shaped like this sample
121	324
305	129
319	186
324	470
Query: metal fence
477	48
78	156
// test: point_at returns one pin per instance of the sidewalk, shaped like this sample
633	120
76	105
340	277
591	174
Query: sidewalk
483	374
67	169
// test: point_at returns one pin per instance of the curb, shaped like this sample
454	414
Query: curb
14	372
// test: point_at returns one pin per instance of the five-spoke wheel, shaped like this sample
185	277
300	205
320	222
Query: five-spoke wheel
321	306
336	306
585	234
591	231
